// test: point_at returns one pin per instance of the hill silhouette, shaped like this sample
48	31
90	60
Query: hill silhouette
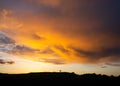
58	78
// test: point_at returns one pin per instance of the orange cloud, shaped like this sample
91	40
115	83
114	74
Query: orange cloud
52	3
72	33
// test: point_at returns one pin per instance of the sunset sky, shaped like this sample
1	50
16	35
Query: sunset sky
81	36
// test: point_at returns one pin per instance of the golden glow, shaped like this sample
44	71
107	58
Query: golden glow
39	33
52	33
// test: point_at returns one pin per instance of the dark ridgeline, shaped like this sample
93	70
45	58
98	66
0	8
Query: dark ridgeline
58	78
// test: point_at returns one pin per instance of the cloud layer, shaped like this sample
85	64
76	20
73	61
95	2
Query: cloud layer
83	31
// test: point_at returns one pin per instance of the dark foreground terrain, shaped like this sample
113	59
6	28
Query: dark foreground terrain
58	78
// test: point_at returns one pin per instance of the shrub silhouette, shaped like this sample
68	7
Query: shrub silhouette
60	77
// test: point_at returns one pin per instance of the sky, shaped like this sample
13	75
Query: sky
80	36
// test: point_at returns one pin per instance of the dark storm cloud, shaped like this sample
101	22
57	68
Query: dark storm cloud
105	12
112	54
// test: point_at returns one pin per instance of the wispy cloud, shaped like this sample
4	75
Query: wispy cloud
55	61
113	64
6	62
